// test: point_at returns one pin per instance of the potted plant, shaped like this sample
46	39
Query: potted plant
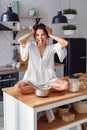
69	29
70	13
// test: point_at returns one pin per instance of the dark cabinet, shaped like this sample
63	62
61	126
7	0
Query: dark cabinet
76	58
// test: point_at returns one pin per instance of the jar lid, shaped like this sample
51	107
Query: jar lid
74	76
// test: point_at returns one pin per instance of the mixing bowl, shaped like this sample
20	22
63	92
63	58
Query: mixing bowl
43	91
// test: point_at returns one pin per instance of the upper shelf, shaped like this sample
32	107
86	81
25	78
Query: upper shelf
31	17
37	18
4	28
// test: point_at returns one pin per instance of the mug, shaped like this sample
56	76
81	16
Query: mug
18	65
14	65
31	12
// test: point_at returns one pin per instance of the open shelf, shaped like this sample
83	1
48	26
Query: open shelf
59	123
37	18
31	17
16	31
22	30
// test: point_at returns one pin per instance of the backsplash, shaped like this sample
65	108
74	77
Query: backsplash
6	37
5	47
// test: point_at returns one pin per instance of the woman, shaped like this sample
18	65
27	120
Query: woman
41	68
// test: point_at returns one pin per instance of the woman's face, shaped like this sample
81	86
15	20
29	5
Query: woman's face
41	37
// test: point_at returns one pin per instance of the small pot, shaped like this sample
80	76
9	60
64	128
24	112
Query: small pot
42	92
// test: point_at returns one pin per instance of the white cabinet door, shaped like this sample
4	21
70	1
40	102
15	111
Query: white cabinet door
21	74
11	121
59	71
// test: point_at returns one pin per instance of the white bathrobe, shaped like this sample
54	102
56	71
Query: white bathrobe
41	70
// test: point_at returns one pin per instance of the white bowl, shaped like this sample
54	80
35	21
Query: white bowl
43	91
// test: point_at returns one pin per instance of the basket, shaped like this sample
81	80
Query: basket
62	110
84	126
80	106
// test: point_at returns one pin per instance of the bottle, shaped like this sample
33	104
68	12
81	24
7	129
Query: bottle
18	26
15	6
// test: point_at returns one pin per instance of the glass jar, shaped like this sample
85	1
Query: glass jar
74	84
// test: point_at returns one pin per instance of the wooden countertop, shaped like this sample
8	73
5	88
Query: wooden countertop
59	64
53	97
23	68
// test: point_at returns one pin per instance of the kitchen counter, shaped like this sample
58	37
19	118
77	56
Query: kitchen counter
25	108
23	68
38	102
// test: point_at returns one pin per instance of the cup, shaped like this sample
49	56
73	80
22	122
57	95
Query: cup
18	65
14	65
31	12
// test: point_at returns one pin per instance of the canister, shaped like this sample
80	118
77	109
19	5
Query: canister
15	6
74	83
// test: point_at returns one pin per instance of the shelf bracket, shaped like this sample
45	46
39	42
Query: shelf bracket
14	34
38	20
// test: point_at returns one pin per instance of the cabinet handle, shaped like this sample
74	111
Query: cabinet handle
83	57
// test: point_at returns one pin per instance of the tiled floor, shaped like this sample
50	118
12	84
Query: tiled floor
1	123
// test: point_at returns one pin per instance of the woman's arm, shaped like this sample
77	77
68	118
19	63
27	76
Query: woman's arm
24	48
25	38
62	41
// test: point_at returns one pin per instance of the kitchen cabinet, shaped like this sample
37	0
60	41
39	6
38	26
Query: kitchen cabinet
24	110
59	68
15	31
21	74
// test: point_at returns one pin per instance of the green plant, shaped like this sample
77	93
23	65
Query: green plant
69	11
69	27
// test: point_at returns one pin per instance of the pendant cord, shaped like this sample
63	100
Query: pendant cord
69	4
59	5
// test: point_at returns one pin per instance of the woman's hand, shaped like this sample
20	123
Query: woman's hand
59	85
49	30
24	38
24	88
32	32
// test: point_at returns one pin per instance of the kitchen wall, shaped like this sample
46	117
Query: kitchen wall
47	9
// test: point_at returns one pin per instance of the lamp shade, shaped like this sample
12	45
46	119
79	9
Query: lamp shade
59	18
9	16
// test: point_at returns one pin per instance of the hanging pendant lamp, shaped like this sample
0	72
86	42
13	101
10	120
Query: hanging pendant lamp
59	18
9	16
